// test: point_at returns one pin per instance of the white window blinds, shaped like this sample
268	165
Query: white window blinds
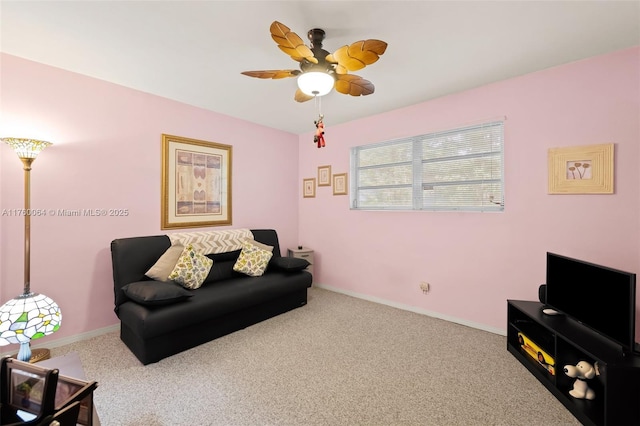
459	169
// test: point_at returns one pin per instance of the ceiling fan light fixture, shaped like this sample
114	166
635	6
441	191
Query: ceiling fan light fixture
319	69
315	83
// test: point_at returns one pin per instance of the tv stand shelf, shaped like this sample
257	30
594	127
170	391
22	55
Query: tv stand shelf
617	386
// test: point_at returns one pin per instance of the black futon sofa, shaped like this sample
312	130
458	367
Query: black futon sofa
227	301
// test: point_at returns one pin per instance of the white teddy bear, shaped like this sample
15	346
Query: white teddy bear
581	371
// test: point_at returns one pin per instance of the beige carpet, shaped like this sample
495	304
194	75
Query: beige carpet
337	361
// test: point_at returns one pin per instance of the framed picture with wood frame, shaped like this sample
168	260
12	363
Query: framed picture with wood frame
196	183
581	169
340	184
324	176
27	385
309	187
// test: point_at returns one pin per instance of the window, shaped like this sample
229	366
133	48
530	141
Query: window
459	169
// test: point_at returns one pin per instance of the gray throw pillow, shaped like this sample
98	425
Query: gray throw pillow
155	293
289	264
162	268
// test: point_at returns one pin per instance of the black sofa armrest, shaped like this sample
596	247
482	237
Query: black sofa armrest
131	258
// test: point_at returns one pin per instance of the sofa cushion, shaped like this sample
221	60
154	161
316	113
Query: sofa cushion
210	301
289	264
155	293
192	268
253	259
222	269
223	263
164	266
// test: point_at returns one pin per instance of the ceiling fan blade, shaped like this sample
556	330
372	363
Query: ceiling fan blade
290	43
357	55
300	96
353	85
273	74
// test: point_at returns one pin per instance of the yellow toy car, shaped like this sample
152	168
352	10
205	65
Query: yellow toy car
535	352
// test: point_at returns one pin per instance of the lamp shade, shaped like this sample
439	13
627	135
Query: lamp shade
28	317
26	148
315	83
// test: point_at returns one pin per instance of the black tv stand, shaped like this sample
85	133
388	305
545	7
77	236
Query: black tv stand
617	386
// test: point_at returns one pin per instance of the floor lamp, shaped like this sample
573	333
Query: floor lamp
30	315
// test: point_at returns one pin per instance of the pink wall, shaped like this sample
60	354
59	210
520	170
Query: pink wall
107	155
475	261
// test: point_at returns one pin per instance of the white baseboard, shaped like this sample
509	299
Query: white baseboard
70	339
484	327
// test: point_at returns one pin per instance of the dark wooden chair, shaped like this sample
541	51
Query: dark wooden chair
26	388
68	416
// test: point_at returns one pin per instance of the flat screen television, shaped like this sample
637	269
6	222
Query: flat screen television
602	298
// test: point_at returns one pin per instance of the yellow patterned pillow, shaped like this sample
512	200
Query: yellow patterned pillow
253	260
192	268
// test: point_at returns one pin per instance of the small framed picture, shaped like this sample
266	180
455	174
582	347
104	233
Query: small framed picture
340	184
27	384
309	187
581	169
324	176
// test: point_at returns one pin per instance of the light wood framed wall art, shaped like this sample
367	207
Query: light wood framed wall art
309	187
324	176
196	183
340	184
581	169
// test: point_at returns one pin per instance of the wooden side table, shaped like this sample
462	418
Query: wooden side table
303	253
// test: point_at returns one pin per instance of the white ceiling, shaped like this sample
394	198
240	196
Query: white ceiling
194	51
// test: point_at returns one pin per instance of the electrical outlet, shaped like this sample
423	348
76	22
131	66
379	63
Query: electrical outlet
424	286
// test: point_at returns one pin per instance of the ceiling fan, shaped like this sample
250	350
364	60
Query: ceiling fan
321	71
